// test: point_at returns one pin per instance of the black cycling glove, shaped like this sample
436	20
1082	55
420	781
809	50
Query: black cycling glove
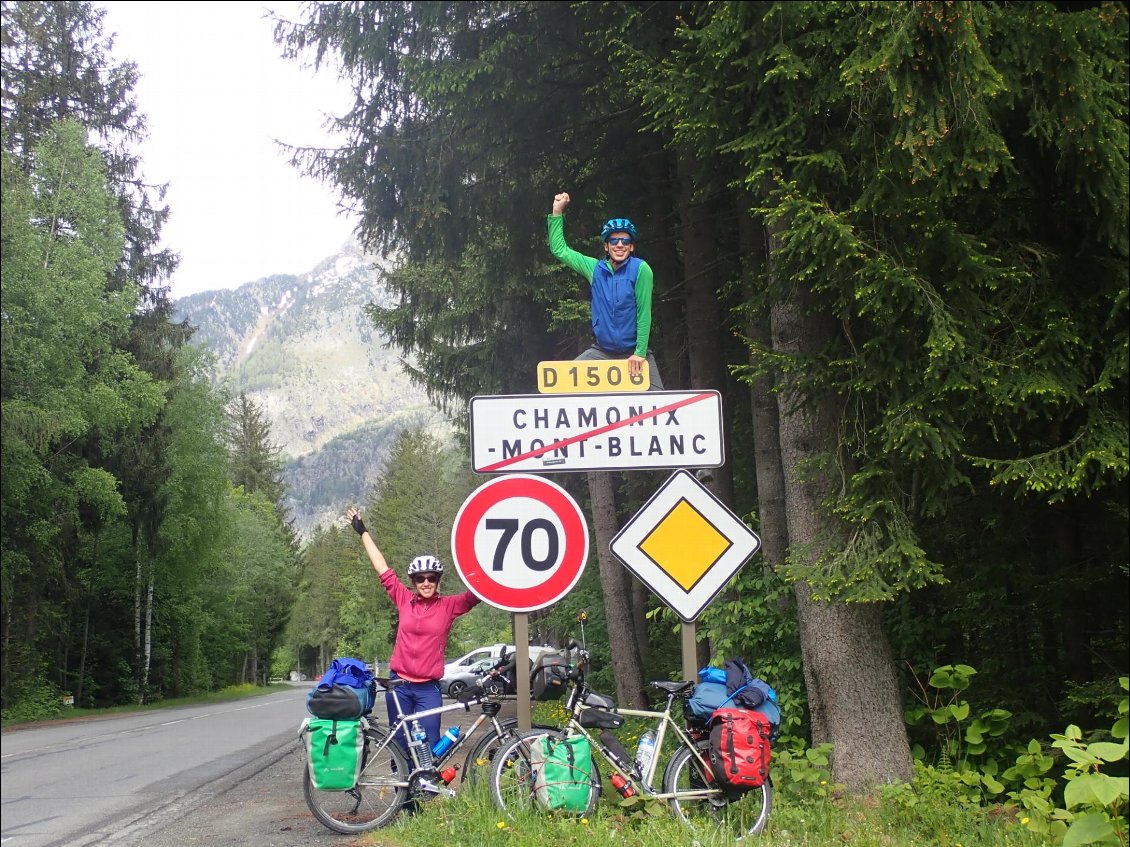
358	524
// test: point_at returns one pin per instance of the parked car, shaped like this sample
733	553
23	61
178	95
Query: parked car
455	684
453	667
460	675
479	654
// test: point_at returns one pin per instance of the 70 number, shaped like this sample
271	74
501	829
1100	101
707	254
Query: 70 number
510	528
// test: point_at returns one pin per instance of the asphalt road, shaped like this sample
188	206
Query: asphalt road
228	774
265	808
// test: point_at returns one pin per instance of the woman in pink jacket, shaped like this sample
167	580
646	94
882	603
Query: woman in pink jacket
425	624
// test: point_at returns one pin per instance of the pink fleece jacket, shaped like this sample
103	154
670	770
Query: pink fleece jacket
421	636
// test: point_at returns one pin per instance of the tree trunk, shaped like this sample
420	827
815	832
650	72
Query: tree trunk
640	594
82	652
668	329
148	652
138	581
770	474
1078	656
852	687
705	324
627	667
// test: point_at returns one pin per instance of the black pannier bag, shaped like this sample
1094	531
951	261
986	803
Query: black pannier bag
549	677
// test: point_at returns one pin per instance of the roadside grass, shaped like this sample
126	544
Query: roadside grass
232	692
470	820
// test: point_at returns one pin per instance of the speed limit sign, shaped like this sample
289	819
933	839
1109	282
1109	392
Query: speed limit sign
520	542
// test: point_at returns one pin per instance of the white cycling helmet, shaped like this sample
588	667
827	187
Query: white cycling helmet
425	564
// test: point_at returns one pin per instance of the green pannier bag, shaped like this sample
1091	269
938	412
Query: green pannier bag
334	751
562	771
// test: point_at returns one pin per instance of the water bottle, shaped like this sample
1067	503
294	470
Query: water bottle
645	751
445	742
420	745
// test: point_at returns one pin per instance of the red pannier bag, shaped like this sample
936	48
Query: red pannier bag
739	747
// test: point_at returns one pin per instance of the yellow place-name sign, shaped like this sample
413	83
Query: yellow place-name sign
590	375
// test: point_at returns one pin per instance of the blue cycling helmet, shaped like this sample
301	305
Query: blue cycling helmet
618	225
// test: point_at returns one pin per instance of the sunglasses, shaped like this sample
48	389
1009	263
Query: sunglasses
419	578
620	240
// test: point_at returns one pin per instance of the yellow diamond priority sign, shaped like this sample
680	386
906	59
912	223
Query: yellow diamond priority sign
685	544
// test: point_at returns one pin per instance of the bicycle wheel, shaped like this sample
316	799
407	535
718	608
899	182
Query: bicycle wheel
381	790
737	815
481	756
512	777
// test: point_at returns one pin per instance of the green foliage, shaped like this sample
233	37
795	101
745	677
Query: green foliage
67	382
965	766
33	701
1095	802
323	592
957	737
413	505
259	575
801	773
255	462
918	162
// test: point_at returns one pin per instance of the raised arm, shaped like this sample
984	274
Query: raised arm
582	264
374	553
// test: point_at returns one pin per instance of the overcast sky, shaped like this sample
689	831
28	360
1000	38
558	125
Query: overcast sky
216	94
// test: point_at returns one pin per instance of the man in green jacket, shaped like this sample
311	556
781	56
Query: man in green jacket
621	292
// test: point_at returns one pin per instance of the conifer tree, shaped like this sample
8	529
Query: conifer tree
932	177
255	461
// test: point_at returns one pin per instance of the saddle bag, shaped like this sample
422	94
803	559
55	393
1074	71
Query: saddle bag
739	748
334	752
549	678
562	772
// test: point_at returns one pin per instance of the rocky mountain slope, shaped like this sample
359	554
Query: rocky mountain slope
303	350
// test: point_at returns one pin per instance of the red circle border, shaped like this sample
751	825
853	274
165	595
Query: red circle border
475	575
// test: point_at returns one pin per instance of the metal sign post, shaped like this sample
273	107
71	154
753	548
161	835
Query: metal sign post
690	651
522	668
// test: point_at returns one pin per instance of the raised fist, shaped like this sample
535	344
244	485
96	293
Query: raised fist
560	201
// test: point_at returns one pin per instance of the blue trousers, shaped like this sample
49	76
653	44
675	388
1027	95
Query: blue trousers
414	697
